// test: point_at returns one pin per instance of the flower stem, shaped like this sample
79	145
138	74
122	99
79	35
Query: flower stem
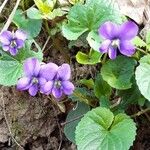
141	50
140	112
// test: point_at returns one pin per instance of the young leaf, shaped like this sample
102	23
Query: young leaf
73	118
99	129
88	17
31	26
142	75
88	83
101	87
137	41
118	73
90	59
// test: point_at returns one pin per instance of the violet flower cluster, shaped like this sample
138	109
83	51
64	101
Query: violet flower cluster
118	38
46	78
13	41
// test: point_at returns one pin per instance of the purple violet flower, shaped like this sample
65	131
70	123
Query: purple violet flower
13	41
118	37
57	80
32	80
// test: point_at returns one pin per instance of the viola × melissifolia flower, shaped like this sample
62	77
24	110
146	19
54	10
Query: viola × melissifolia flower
118	38
32	79
57	80
13	41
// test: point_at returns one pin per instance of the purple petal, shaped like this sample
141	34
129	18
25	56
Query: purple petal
20	34
64	72
47	88
112	52
128	30
109	30
127	48
33	89
6	37
31	67
41	81
19	43
68	87
57	92
5	47
23	83
105	46
13	51
48	71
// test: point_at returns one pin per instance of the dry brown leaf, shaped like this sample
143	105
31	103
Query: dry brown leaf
135	9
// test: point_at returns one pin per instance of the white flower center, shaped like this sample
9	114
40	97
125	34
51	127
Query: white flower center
35	80
115	43
57	83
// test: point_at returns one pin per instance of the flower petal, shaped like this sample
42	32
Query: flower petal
128	30
109	30
68	87
64	72
5	47
31	67
47	88
127	48
6	37
13	51
41	81
48	71
112	52
19	43
23	83
105	46
33	89
20	34
57	92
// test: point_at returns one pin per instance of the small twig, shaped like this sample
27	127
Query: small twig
3	5
45	43
11	17
140	112
7	123
64	123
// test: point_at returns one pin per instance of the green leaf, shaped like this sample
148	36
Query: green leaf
73	118
104	102
130	96
89	83
101	88
31	26
99	129
118	73
92	58
94	40
137	41
142	75
83	95
34	13
10	70
89	17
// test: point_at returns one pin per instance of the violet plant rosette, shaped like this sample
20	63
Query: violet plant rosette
58	80
13	41
118	38
32	79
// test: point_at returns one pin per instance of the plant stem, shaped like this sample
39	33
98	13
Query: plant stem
104	58
139	49
140	112
11	17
